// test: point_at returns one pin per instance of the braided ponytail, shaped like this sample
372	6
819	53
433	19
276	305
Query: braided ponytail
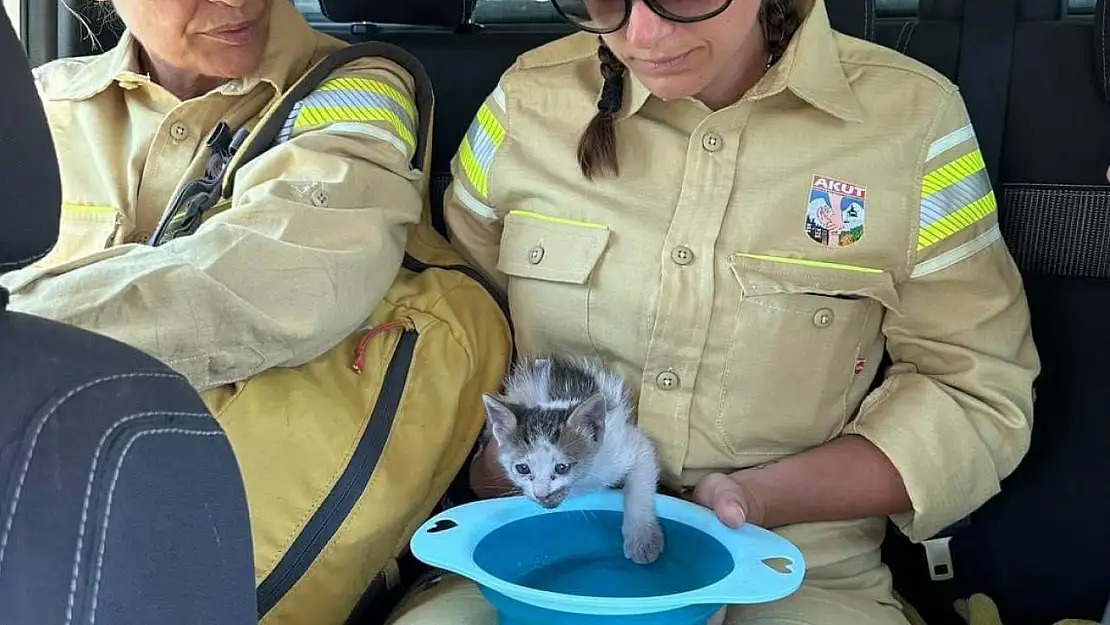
597	149
780	20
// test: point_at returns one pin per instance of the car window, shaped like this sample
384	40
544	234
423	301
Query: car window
12	8
509	11
533	11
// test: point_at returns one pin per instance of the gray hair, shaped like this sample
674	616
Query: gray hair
95	16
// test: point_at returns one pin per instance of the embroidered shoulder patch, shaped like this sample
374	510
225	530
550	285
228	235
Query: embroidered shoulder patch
835	213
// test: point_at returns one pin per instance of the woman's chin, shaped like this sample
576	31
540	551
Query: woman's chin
670	87
235	64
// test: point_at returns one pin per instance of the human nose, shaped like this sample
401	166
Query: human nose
646	27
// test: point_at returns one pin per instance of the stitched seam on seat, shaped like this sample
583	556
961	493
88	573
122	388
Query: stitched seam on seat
909	36
910	32
1102	48
111	492
9	522
869	20
30	259
901	36
88	495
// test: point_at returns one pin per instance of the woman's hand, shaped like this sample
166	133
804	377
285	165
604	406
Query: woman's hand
487	478
846	478
733	503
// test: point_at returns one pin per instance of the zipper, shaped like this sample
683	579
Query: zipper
331	514
415	265
349	487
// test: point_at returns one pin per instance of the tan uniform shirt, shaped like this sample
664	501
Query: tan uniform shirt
312	240
749	265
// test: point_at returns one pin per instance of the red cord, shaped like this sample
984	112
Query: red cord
360	349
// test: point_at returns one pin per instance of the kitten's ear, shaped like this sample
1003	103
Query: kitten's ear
501	419
589	416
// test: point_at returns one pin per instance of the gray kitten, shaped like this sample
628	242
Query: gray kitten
564	428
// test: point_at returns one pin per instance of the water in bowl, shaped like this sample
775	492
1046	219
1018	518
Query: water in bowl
582	553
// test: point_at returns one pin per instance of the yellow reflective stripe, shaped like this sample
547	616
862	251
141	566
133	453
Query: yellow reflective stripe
952	172
812	263
355	100
955	222
316	116
88	208
954	197
357	83
472	169
482	140
559	220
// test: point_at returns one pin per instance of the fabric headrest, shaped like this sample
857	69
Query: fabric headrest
32	188
940	10
449	13
1102	61
852	17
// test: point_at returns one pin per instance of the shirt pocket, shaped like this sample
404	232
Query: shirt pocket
804	344
550	263
84	229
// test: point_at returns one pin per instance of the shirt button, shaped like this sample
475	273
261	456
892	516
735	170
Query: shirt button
712	141
319	197
823	318
667	381
682	255
535	255
179	131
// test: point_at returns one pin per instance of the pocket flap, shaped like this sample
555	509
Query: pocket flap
548	248
767	275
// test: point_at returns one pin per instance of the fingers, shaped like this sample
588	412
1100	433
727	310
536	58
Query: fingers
730	511
724	497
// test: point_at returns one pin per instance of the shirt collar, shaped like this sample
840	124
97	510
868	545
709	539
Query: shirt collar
810	69
290	48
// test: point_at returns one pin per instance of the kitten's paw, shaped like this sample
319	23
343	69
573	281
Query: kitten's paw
643	544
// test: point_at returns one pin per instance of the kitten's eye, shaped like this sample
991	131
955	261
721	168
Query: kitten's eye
562	469
522	469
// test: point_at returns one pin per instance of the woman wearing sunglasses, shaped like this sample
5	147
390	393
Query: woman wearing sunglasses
741	210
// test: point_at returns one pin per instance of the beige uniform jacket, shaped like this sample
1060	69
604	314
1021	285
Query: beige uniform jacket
312	240
749	265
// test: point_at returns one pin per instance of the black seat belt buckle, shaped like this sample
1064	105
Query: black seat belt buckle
185	211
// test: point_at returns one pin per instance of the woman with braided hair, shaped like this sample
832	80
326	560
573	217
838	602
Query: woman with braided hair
742	211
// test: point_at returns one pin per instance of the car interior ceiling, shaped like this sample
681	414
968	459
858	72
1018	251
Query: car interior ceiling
1040	548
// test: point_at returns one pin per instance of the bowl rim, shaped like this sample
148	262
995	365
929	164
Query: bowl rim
478	519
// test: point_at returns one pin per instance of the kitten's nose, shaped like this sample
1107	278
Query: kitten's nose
552	499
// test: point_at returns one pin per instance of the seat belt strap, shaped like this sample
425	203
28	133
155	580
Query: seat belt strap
986	56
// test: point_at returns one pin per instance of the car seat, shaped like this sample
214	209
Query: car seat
120	498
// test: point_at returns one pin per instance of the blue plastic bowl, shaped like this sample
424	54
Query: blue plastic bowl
567	566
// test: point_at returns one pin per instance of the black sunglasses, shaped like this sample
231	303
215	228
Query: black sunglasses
607	16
